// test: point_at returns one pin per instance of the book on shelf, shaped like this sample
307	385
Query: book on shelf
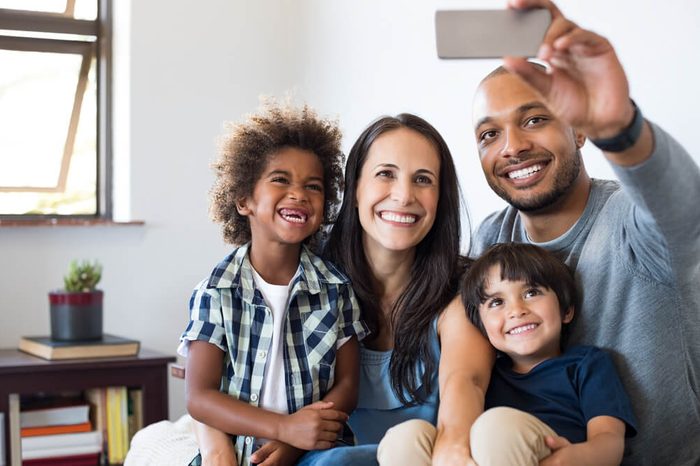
15	440
98	415
2	439
108	346
59	429
46	446
117	424
55	416
135	411
90	459
59	452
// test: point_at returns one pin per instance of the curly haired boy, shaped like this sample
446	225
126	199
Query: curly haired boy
272	352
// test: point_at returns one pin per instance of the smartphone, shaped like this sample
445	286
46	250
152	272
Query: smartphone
490	33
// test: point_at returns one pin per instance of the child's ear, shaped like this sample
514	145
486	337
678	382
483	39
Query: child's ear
568	316
242	207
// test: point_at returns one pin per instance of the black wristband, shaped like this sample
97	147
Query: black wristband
626	138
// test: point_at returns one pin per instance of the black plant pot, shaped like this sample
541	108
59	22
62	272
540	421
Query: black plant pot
76	316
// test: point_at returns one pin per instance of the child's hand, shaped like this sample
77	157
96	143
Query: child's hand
275	453
561	455
314	427
219	459
215	446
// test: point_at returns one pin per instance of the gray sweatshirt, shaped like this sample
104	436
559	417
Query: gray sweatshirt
636	255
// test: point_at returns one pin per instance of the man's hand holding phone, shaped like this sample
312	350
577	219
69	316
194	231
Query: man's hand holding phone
584	83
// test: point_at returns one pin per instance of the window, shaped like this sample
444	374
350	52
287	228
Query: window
54	115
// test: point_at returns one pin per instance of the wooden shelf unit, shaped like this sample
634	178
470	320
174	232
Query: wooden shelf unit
23	373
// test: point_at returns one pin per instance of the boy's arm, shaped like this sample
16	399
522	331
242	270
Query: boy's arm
604	446
345	388
465	368
308	429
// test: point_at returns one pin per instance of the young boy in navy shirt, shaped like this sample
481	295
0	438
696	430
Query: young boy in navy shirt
272	352
566	406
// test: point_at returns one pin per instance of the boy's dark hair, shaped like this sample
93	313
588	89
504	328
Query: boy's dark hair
519	262
245	152
435	272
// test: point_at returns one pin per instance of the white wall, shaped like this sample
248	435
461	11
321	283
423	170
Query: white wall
195	64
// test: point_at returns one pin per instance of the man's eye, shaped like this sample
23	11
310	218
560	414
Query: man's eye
487	135
534	121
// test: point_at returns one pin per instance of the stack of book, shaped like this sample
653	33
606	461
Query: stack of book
85	428
117	412
58	434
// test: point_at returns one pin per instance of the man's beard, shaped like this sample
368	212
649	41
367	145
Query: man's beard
564	180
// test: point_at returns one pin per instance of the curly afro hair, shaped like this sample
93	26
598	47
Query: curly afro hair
245	151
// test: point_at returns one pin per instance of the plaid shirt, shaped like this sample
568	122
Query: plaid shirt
227	310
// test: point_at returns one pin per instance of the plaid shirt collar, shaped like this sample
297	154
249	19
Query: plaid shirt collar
312	272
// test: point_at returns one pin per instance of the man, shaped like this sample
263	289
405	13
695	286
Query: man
634	245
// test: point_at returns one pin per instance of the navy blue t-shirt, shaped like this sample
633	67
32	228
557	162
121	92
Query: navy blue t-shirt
564	392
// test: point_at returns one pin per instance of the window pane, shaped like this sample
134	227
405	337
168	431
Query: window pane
37	96
79	9
49	6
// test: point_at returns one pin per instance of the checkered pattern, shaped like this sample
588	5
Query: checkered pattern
227	310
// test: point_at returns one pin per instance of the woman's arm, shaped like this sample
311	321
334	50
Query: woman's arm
465	368
307	428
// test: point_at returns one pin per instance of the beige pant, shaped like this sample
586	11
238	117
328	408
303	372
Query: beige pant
499	437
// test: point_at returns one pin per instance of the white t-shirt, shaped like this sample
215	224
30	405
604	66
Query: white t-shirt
273	394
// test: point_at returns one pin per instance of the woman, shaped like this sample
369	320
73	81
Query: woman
397	237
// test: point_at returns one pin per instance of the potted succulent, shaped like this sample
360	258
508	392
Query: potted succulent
76	311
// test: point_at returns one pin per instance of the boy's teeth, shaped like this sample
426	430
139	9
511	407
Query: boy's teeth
525	172
294	216
394	217
521	329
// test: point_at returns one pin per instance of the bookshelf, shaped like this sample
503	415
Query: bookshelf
22	373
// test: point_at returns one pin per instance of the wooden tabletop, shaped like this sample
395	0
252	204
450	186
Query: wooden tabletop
13	361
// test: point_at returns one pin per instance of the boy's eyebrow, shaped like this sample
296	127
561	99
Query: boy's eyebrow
278	172
288	174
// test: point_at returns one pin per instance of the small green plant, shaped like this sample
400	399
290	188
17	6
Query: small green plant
82	276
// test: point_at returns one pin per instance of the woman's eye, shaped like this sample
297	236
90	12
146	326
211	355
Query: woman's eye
385	174
423	179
